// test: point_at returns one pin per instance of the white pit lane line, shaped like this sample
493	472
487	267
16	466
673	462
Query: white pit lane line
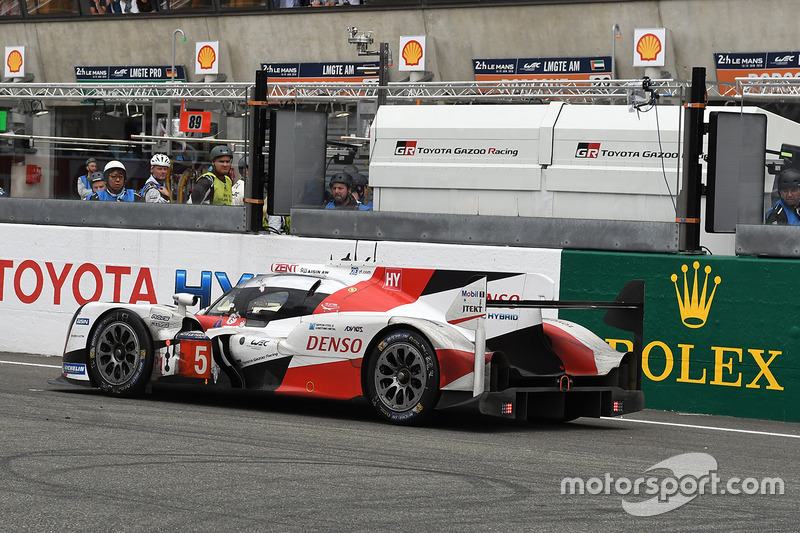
694	426
28	364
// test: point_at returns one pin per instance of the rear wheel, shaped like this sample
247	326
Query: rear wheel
402	378
120	354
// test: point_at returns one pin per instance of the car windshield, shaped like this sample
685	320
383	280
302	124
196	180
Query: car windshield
259	305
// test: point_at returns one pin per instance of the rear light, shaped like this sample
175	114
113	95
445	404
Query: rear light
507	408
617	406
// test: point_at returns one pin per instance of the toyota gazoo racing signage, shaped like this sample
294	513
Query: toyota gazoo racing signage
413	148
597	150
755	65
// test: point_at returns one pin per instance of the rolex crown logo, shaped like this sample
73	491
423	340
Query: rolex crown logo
694	308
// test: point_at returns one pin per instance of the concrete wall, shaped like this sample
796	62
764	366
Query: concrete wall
697	29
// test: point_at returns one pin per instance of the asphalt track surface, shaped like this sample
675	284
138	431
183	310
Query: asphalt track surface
183	460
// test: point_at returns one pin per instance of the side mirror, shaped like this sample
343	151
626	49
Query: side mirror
183	300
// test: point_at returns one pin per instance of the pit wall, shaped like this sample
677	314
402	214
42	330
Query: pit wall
731	353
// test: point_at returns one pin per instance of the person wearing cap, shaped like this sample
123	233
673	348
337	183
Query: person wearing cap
115	191
360	190
341	190
154	190
97	182
786	211
215	186
84	189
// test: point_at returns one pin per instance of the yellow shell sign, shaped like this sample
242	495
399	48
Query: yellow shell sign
206	57
14	61
412	53
648	47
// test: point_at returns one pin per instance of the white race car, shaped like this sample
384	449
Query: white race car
408	339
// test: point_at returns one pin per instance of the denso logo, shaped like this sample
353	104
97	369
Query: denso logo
588	150
405	148
333	344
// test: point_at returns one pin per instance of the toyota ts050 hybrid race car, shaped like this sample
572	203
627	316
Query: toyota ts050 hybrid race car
410	340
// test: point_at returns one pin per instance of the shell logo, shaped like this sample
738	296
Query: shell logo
412	53
648	47
14	61
206	57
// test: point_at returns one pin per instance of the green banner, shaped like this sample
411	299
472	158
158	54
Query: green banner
721	334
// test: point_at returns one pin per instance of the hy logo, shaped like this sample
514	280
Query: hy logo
694	307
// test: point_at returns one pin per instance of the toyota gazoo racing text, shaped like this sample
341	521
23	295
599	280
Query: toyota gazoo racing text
404	338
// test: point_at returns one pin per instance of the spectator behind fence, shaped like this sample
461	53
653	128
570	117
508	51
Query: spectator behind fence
787	209
84	189
114	174
360	191
99	7
154	190
341	190
97	182
214	187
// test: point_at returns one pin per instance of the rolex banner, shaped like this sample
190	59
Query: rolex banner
720	333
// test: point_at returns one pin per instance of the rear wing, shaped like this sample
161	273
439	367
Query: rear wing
626	312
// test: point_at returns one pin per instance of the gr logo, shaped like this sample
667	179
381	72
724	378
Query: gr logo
588	150
405	148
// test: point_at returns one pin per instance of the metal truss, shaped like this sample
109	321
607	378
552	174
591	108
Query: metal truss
506	91
512	91
125	92
767	88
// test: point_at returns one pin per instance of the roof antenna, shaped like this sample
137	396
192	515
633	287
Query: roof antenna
355	252
375	252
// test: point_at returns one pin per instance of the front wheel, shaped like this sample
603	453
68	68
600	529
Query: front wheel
402	378
120	354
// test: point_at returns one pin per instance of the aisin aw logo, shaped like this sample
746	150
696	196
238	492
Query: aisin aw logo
694	307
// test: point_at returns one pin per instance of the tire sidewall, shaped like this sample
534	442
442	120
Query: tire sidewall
430	395
136	383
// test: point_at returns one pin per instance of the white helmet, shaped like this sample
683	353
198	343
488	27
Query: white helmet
112	165
159	160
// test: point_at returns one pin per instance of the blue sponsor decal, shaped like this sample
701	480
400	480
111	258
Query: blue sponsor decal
82	322
78	369
311	326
